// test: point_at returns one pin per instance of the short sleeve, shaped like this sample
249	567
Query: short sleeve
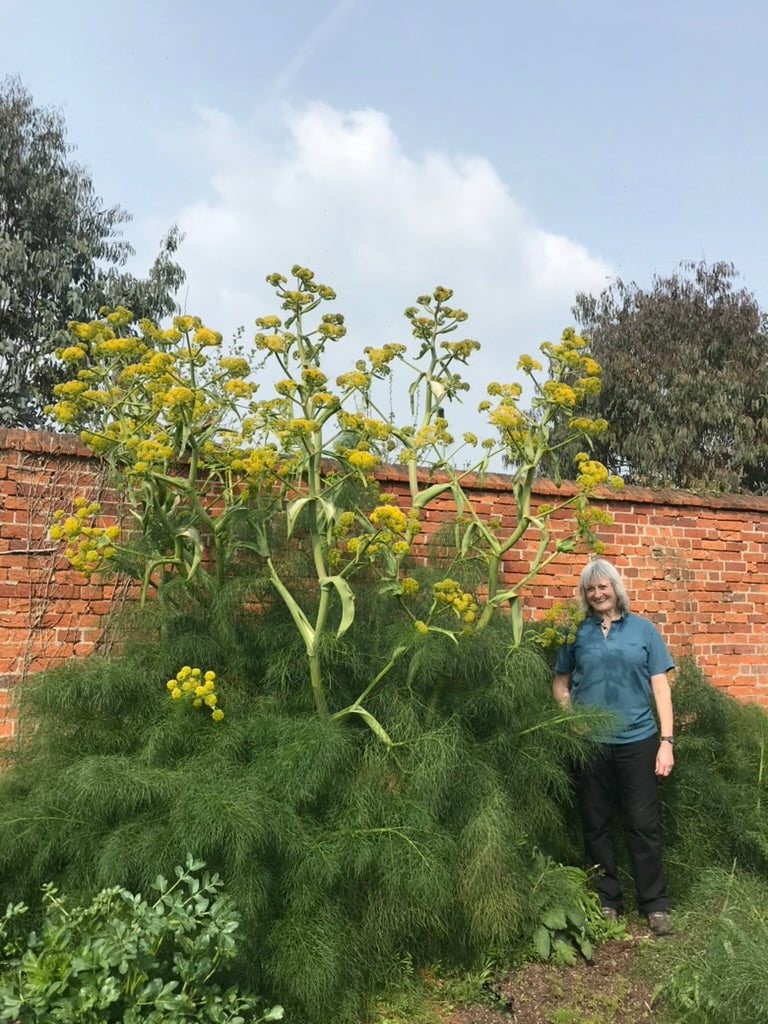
659	658
565	659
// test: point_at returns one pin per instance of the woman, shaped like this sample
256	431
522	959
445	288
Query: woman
619	661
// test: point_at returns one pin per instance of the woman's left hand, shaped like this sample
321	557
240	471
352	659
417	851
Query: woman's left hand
665	759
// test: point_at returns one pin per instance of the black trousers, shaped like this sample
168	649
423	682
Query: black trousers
623	771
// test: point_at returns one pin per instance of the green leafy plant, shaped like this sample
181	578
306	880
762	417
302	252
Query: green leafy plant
213	473
124	959
570	920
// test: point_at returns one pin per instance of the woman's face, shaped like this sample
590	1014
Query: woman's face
601	597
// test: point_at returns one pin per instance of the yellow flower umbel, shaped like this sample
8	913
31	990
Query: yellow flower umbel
89	547
197	686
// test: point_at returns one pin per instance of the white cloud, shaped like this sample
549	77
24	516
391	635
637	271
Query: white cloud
335	191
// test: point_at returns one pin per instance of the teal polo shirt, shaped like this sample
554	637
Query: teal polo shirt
615	672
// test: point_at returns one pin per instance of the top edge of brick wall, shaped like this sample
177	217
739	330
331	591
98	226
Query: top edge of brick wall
15	439
668	496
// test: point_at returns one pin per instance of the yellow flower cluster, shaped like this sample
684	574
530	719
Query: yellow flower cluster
156	378
89	547
204	337
270	342
234	365
560	622
381	357
332	326
393	531
379	430
586	425
152	451
354	380
505	392
239	388
361	459
528	365
595	516
559	393
259	463
269	323
461	349
507	417
389	517
590	472
198	687
448	592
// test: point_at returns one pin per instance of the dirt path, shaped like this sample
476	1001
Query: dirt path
605	992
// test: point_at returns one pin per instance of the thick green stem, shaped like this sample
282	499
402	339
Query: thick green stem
309	637
316	682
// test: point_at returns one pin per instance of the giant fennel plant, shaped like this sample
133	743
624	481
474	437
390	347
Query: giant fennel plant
211	470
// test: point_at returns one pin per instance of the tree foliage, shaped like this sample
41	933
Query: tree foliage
61	254
685	380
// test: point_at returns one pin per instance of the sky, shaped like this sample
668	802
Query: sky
517	152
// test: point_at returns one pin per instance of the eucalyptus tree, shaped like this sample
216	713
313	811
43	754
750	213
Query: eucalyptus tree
61	254
684	380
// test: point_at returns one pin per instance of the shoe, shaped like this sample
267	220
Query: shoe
610	913
660	922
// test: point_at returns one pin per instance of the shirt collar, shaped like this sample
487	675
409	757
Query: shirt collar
597	618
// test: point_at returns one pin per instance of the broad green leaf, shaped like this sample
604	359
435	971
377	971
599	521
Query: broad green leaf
192	534
424	497
468	539
576	916
564	952
259	544
388	587
542	942
294	508
292	512
347	597
373	723
554	919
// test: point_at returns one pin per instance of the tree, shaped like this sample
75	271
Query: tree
61	254
685	380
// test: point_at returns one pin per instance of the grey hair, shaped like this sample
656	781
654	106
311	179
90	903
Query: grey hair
599	569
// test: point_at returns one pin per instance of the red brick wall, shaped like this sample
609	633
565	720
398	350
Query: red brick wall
696	565
47	612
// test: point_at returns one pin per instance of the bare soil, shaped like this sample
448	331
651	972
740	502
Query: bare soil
606	991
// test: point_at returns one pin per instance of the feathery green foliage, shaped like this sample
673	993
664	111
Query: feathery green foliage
716	974
713	808
341	854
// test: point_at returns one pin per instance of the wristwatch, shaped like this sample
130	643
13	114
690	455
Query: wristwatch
668	739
